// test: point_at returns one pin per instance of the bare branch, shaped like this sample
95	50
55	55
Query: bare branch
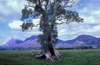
55	10
28	4
36	25
71	5
62	23
39	2
55	7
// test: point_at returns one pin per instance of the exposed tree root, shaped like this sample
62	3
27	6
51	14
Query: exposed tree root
48	55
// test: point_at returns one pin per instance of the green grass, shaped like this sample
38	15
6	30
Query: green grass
23	57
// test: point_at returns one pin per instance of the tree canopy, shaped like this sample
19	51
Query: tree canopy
49	11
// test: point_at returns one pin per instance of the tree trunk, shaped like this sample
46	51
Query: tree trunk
49	51
52	54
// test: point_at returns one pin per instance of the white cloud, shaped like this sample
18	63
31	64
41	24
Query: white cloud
90	15
96	28
90	26
5	40
11	10
90	19
36	21
15	25
76	29
96	12
17	33
9	6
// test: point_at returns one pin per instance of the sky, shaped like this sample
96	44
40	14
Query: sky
10	14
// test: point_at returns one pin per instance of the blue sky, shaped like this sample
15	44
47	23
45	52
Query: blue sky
10	14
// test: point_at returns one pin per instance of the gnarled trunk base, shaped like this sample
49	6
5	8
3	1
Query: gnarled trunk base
52	56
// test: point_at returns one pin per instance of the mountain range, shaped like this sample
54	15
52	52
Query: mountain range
31	42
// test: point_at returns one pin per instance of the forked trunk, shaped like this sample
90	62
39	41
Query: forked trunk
49	51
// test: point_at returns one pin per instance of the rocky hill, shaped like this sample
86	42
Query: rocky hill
31	42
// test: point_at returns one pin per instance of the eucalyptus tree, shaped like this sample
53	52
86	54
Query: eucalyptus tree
49	12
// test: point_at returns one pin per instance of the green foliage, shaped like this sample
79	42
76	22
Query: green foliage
83	47
26	13
49	12
73	15
27	25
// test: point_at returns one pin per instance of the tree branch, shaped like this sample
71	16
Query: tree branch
62	23
64	6
28	4
36	25
46	6
55	10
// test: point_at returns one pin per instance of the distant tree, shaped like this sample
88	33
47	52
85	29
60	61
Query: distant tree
49	11
90	47
3	49
84	47
13	49
97	47
20	49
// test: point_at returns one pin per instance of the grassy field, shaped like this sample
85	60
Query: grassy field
23	57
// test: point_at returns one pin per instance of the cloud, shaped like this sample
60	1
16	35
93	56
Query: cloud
90	26
77	29
89	12
6	40
92	18
15	25
3	39
17	32
10	6
11	10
